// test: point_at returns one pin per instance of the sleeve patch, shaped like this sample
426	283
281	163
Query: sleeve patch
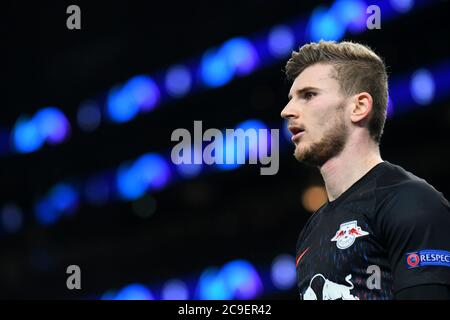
427	257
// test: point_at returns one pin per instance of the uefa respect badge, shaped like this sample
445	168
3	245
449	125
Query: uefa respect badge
428	257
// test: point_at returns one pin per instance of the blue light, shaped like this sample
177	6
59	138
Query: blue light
154	169
150	171
26	136
400	93
324	25
45	213
390	108
348	10
281	41
286	133
259	143
49	124
134	292
121	106
178	81
242	279
12	218
108	295
139	94
241	55
441	74
231	146
89	116
64	198
402	6
351	13
211	286
97	190
175	290
144	91
252	124
422	87
283	272
215	71
4	141
130	184
52	124
241	148
189	170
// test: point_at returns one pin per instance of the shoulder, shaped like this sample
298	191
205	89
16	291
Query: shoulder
405	199
396	186
415	193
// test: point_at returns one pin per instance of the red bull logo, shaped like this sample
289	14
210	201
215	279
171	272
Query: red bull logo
331	290
347	234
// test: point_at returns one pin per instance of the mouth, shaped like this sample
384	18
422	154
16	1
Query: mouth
297	132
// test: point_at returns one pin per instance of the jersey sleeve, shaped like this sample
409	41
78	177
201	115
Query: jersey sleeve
414	224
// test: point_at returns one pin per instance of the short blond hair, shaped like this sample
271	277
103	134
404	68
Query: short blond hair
357	69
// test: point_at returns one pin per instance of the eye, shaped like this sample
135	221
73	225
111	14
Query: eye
308	95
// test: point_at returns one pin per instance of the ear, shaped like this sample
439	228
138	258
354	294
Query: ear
362	106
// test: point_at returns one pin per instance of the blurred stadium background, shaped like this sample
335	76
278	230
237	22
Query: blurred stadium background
86	121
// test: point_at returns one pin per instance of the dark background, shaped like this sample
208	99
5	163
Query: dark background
206	221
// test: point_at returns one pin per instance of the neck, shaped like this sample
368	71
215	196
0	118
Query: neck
342	171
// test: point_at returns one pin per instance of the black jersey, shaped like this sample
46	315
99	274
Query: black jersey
389	231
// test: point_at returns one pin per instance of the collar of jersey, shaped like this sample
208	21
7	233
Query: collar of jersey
371	173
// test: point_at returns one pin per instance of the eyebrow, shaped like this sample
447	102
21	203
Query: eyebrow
302	90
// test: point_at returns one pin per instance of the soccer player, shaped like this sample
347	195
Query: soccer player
384	233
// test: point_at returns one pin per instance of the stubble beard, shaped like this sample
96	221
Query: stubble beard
330	146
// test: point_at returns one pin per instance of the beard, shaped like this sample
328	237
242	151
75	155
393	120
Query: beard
331	145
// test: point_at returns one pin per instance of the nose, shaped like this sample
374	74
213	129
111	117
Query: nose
289	112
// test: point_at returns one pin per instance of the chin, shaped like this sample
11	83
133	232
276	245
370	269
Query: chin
299	152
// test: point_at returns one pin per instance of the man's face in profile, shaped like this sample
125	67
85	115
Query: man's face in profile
316	115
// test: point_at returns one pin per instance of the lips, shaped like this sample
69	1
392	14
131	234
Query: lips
297	132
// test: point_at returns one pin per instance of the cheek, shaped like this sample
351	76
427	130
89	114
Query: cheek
317	112
317	126
317	129
317	117
324	119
